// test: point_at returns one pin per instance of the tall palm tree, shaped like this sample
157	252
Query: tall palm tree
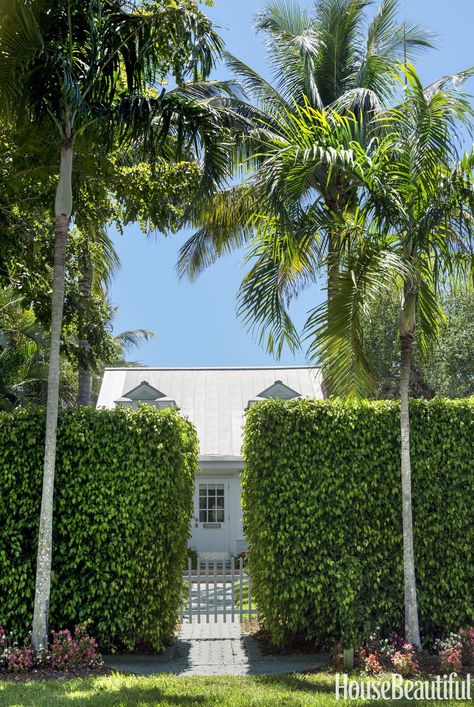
414	233
84	69
332	57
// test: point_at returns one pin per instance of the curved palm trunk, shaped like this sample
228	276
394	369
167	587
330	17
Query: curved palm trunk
45	536
412	631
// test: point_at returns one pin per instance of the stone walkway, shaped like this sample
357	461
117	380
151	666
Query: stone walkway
214	648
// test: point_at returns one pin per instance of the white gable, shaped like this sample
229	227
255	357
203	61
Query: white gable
279	390
144	391
214	399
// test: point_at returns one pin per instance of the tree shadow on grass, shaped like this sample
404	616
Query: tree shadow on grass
120	689
294	682
88	692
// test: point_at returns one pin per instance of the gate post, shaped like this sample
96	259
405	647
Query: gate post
190	587
207	591
224	589
241	593
232	567
198	578
215	591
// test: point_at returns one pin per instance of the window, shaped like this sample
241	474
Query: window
211	503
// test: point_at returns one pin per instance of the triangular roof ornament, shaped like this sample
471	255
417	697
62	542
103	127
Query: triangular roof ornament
279	390
144	391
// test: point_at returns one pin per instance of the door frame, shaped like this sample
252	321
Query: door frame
229	472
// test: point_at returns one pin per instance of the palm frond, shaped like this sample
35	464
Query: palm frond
224	225
262	306
259	89
20	43
133	338
292	49
335	329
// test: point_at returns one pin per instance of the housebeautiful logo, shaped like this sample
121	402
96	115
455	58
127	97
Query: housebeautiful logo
447	687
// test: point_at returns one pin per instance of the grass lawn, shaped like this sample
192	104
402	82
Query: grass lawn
118	689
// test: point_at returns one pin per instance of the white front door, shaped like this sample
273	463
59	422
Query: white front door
210	524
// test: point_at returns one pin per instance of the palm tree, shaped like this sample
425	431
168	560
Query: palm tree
334	58
414	233
24	356
84	70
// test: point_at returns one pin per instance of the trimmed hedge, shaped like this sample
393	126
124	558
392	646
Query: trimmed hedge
322	515
123	500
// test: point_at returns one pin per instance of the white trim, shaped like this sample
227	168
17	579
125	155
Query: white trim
221	465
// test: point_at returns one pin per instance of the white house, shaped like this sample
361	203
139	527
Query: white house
215	400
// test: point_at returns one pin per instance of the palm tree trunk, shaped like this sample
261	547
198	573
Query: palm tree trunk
412	631
63	208
332	285
333	265
84	378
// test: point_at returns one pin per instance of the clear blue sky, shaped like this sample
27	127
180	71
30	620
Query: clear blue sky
196	325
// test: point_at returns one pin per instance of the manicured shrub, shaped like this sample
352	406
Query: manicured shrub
123	500
322	515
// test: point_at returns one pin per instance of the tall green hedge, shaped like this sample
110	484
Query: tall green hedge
322	514
123	500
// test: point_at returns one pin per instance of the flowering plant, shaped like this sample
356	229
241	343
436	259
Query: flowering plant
467	645
66	651
371	662
69	652
461	643
404	661
20	660
450	660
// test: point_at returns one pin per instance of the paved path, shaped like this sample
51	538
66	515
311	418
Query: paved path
214	600
214	648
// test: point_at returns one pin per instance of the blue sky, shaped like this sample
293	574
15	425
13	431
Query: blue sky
195	324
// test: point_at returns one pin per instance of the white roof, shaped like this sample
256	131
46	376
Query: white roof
214	399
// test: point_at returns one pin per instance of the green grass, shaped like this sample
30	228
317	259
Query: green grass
119	689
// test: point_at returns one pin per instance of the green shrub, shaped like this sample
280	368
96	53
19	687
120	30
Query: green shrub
322	515
123	500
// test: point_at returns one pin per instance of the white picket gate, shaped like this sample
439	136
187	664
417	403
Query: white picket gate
218	591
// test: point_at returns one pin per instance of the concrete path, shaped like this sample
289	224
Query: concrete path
214	648
213	600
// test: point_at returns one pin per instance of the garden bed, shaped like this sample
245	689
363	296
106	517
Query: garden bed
48	673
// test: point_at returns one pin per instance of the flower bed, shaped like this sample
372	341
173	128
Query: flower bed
66	653
380	655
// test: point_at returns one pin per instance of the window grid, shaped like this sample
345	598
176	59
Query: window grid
211	503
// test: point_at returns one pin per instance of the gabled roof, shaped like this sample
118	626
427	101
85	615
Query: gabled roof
214	399
279	390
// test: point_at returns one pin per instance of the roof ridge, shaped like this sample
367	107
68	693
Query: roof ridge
209	368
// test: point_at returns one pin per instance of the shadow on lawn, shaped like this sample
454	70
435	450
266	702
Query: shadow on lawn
89	692
120	689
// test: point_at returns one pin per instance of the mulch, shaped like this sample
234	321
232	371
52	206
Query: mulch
298	646
47	673
429	663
